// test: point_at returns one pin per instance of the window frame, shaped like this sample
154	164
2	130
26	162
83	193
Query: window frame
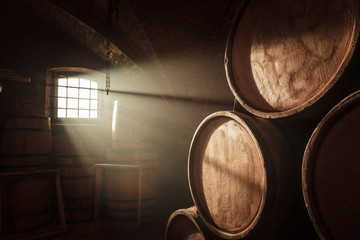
53	74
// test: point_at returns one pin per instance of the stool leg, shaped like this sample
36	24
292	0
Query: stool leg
140	190
97	193
60	201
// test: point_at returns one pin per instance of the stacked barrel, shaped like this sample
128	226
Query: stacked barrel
26	202
283	164
75	149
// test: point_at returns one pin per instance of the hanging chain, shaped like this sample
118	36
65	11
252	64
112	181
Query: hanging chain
108	55
113	7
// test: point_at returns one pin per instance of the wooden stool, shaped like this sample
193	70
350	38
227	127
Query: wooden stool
28	174
99	167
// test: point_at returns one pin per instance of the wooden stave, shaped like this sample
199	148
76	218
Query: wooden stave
23	216
192	217
270	204
124	207
20	132
312	149
317	106
26	130
77	172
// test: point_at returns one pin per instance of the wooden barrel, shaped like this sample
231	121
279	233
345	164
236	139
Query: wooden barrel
77	177
27	204
121	186
282	56
331	172
186	224
25	143
241	175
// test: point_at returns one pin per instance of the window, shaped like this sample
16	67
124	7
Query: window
77	98
74	94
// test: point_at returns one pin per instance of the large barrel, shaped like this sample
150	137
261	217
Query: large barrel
282	56
25	143
27	203
331	172
121	186
186	224
77	176
241	175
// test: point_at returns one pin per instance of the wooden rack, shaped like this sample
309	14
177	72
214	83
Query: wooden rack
51	230
99	167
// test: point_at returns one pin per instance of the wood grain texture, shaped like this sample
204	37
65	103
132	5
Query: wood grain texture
27	204
235	165
331	172
231	172
121	186
77	176
285	55
186	224
25	142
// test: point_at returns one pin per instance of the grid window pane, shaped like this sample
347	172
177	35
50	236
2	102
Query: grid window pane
77	98
84	104
73	92
94	94
61	102
93	104
94	84
62	82
62	91
84	93
93	114
84	83
83	113
73	103
72	113
61	113
73	82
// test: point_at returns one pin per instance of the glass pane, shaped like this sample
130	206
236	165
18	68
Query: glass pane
84	83
94	94
83	113
84	93
61	113
94	84
93	114
73	82
61	102
93	104
62	81
72	103
62	91
84	103
72	113
73	92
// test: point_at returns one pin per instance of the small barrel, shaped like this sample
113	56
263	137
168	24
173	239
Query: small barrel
77	176
282	56
25	143
241	175
186	224
121	186
331	172
27	204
